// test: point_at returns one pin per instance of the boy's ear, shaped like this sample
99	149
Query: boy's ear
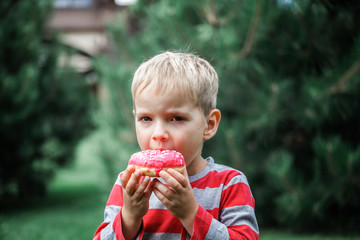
212	123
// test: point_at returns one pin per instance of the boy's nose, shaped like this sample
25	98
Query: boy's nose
160	133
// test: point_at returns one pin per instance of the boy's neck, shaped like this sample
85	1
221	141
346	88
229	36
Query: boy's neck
196	166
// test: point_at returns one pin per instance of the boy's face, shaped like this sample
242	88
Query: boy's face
170	121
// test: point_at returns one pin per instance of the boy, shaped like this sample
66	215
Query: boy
174	97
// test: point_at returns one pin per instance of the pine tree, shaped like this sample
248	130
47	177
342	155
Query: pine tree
289	96
43	107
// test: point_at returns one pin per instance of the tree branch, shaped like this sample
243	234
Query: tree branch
250	37
344	79
235	156
8	9
208	12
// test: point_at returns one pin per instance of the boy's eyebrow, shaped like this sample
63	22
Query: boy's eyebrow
168	112
177	112
140	112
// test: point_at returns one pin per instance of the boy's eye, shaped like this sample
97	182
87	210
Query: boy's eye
177	119
145	119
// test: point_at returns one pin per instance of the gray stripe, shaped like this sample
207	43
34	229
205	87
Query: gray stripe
208	198
110	212
217	231
108	233
219	167
154	202
211	166
239	215
161	236
237	179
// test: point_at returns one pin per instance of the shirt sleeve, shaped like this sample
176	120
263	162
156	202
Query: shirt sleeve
236	217
111	229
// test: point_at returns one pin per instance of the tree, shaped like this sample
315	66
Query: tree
289	96
44	107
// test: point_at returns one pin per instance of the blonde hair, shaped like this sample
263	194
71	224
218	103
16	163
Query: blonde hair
182	72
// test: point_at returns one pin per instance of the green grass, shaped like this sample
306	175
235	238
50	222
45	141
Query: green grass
74	208
71	214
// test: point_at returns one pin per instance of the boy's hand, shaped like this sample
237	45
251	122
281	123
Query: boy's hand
178	198
136	194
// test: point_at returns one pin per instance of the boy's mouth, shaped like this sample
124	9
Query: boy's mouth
161	149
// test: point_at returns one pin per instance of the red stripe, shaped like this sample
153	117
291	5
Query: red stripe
117	227
242	232
98	231
236	195
214	179
214	212
202	223
115	197
161	220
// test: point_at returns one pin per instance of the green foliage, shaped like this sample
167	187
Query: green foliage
289	96
43	107
115	138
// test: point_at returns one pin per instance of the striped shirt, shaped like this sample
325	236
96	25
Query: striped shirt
226	210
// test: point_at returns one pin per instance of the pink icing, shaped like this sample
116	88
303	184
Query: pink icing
157	159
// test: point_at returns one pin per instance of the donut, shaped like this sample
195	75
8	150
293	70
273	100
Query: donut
151	162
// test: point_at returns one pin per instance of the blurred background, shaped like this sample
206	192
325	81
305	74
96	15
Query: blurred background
289	94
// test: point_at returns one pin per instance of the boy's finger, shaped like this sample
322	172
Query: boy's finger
149	189
163	189
160	195
125	176
168	178
132	183
142	187
179	177
186	173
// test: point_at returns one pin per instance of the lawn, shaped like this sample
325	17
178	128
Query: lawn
73	213
74	209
